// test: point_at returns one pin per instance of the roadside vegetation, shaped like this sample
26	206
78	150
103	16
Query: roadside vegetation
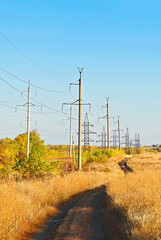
43	160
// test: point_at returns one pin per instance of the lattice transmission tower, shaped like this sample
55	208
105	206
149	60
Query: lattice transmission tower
127	141
114	138
86	132
137	143
103	138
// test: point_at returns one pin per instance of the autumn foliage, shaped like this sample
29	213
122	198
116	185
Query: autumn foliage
13	159
43	159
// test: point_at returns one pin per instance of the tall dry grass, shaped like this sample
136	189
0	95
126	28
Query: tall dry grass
138	196
24	203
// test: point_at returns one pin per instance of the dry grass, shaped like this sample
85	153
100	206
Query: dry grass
25	205
22	204
138	195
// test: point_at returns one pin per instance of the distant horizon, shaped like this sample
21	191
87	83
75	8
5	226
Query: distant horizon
76	145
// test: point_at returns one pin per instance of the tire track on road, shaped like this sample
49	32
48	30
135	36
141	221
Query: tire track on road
78	220
123	165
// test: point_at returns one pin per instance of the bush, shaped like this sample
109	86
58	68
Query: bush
8	151
13	159
102	155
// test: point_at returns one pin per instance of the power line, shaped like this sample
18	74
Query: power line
10	100
29	59
7	116
90	95
83	110
48	107
92	101
12	131
50	133
22	80
2	79
6	105
49	117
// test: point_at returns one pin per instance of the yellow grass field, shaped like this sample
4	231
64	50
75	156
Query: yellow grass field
27	203
138	195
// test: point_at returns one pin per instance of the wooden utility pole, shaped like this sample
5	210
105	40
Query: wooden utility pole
73	149
108	126
127	141
80	120
70	127
28	104
79	103
70	151
119	133
108	123
28	121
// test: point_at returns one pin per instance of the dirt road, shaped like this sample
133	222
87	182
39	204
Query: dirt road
88	217
123	165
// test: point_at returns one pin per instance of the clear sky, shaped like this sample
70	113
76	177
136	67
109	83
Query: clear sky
117	42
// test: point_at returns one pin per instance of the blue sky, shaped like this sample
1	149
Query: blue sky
117	42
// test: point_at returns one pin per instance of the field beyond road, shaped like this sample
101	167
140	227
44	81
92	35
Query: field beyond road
136	196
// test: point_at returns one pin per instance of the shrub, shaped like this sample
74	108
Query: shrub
103	155
8	151
13	159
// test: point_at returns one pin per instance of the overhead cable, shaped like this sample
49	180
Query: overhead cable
29	59
22	80
2	79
